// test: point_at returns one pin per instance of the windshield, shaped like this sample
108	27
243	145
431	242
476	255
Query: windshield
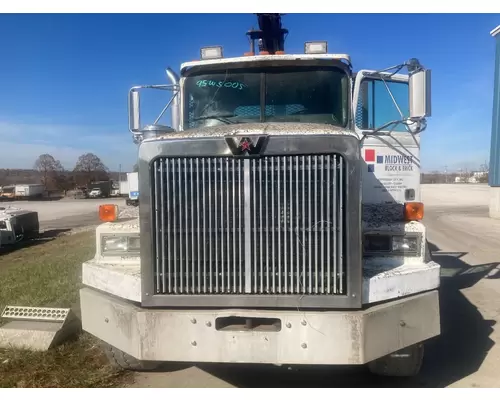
315	94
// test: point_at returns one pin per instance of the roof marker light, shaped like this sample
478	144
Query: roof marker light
316	47
211	53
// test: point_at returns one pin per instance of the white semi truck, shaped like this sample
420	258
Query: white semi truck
280	218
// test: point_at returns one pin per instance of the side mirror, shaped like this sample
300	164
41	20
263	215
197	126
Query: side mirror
420	94
134	119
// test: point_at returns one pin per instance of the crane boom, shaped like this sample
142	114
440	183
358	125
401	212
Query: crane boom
271	34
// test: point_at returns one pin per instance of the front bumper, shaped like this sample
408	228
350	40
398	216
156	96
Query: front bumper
296	337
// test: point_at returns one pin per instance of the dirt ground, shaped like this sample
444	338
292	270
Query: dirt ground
66	213
463	239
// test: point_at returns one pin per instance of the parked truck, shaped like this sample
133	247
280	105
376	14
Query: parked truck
280	217
100	189
133	189
30	191
17	225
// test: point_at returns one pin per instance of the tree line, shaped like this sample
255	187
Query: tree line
88	168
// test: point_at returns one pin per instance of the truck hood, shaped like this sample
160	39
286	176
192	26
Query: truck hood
261	128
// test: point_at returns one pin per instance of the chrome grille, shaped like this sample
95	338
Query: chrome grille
271	225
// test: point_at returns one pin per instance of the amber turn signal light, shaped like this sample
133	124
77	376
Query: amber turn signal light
108	212
414	211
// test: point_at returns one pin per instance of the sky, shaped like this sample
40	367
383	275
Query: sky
65	77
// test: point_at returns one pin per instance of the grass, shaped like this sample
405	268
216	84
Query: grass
49	274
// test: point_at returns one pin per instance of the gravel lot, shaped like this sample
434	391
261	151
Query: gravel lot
464	241
66	213
67	207
451	195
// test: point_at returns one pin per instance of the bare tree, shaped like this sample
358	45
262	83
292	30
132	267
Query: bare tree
485	167
64	181
90	168
136	168
48	167
483	178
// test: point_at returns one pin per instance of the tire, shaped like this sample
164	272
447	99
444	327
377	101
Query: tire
403	363
122	360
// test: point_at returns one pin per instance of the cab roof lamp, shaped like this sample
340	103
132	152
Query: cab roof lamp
211	53
316	47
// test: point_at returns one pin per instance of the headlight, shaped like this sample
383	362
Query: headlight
405	244
120	244
391	245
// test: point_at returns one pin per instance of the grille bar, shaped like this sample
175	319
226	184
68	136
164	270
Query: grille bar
272	225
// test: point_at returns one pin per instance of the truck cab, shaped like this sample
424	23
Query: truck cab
280	219
95	193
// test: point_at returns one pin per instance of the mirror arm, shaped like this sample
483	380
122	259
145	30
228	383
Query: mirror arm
385	126
412	65
165	108
398	122
396	67
393	99
134	113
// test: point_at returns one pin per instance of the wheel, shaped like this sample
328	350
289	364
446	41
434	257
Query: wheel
403	363
122	360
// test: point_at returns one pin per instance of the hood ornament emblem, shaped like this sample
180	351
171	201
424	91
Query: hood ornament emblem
246	145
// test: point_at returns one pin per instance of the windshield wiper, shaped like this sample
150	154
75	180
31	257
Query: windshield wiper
219	117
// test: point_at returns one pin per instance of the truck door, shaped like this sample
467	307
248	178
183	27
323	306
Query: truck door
390	152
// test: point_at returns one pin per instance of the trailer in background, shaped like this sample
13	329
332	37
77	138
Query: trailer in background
29	191
124	188
26	191
133	189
